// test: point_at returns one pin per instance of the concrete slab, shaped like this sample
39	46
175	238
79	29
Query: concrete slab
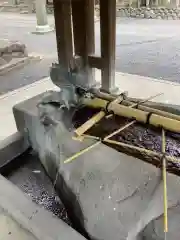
12	147
43	29
17	63
144	87
7	101
20	218
12	230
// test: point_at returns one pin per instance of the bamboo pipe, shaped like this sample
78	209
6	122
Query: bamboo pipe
95	119
127	102
121	144
145	100
78	154
73	157
133	105
143	150
164	182
103	95
139	115
119	130
83	136
126	145
154	110
89	123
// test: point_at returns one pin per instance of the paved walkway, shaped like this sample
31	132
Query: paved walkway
144	47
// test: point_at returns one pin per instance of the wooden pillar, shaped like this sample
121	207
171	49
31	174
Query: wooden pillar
138	3
108	43
62	15
147	3
130	3
83	28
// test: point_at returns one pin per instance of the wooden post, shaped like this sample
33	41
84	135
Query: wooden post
62	15
83	28
108	43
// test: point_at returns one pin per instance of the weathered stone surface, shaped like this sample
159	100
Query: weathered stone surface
110	195
121	13
170	17
159	13
154	230
10	50
133	14
2	61
175	17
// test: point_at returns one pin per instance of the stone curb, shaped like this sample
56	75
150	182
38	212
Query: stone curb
31	218
17	63
43	29
10	148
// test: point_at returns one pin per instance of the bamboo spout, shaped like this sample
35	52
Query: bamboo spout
95	119
136	114
140	106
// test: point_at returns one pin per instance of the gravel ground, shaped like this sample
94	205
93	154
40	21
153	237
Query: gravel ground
139	135
31	178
